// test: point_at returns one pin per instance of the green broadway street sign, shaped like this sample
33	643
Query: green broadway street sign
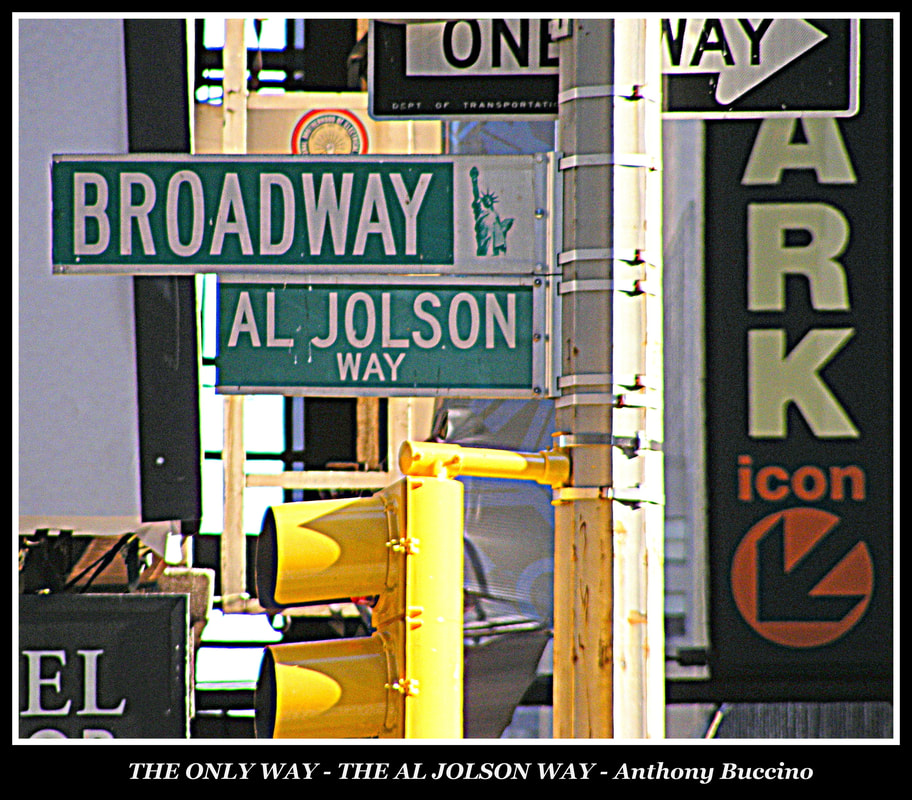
166	214
355	335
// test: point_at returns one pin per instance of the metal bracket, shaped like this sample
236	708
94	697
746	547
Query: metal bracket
631	446
407	687
637	287
584	379
407	545
568	287
621	400
628	381
633	496
630	256
635	271
633	91
586	399
610	159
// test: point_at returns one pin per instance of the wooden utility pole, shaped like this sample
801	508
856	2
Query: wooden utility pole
609	638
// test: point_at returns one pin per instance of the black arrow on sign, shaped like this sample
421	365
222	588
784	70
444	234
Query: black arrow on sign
785	595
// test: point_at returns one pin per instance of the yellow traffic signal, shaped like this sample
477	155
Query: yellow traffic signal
327	549
328	690
404	546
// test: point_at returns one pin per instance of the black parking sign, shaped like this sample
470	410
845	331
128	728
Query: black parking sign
799	334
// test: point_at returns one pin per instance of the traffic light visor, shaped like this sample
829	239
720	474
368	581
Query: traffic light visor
340	688
326	550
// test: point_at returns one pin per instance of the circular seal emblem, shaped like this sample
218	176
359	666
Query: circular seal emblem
327	133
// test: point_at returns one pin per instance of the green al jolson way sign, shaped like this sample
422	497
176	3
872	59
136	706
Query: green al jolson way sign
406	336
293	240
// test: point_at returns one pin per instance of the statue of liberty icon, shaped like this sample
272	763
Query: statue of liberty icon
490	229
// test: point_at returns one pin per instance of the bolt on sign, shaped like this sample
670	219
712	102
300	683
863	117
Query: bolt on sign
403	336
799	267
301	214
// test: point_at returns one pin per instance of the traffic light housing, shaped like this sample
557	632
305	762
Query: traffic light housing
402	546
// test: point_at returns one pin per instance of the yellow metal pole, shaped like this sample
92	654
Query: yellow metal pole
434	585
434	609
549	467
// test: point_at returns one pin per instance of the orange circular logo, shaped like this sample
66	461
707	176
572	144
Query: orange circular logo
799	584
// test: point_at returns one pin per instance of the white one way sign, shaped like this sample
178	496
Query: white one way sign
711	68
744	52
760	67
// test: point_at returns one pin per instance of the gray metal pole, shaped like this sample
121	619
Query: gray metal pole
608	642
